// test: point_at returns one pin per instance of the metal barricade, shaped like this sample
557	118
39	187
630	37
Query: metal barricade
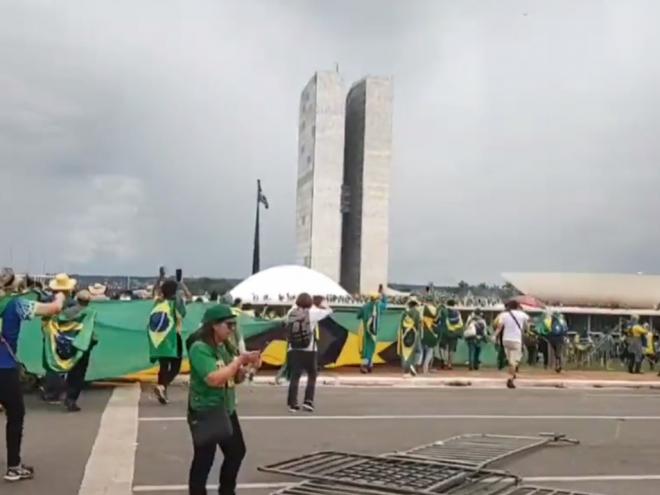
392	473
480	450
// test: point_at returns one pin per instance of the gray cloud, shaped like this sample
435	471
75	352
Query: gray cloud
132	133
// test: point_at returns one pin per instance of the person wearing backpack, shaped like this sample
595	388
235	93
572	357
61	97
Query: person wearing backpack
302	335
450	329
556	328
475	334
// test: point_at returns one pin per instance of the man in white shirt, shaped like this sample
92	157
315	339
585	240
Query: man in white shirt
512	324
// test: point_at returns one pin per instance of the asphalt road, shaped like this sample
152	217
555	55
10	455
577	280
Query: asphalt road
346	420
619	433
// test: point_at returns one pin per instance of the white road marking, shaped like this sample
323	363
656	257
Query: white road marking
181	488
534	479
110	467
625	396
605	477
301	417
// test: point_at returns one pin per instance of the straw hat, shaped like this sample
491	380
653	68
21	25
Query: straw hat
62	282
97	289
7	277
83	296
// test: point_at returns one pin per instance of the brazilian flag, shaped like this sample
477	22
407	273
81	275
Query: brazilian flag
163	326
66	339
408	335
429	317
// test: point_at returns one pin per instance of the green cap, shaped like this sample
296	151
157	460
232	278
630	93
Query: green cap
218	312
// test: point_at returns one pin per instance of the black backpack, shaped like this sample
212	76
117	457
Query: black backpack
299	329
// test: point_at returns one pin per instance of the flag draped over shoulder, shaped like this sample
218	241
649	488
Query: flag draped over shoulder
369	316
66	338
429	317
163	326
406	343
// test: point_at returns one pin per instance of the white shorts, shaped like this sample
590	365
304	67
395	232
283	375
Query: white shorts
513	351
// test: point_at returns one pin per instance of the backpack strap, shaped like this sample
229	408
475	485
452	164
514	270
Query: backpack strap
515	319
11	352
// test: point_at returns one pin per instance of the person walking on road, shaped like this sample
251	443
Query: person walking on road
511	325
303	335
164	328
214	372
15	309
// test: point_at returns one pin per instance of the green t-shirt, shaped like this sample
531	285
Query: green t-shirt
204	360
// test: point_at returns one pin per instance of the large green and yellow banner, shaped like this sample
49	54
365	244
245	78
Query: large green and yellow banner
123	339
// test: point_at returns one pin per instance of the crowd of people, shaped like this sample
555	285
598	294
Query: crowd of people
429	331
359	299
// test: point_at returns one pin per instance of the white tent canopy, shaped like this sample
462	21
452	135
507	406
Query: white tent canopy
287	281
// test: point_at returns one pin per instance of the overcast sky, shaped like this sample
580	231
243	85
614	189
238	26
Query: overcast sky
526	133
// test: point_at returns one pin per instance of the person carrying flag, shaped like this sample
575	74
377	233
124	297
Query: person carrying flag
54	380
409	337
68	342
429	337
370	315
164	327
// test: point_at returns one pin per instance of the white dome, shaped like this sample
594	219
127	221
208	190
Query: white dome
287	281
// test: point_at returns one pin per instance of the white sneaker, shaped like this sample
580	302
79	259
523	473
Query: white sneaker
19	473
159	391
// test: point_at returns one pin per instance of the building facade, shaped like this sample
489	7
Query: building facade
320	174
367	164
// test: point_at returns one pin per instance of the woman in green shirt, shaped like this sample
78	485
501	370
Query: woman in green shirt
214	371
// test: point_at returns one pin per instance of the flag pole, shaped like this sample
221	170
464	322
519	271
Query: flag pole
256	262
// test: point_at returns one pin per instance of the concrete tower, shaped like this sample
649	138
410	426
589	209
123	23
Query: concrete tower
320	174
367	162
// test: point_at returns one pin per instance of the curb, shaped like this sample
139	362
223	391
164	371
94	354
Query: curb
420	382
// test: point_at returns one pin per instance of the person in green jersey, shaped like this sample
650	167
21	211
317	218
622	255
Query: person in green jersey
215	369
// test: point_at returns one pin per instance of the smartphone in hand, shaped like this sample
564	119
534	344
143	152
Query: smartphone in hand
161	272
179	274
